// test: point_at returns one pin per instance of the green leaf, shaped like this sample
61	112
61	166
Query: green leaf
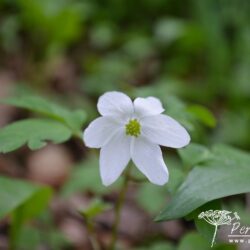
228	155
46	228
149	190
158	193
15	193
177	176
95	208
239	206
36	203
178	110
86	176
222	177
23	201
194	154
28	210
234	127
29	238
34	132
202	114
193	241
204	228
225	247
58	22
73	119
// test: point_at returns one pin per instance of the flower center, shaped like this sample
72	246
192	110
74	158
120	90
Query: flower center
133	128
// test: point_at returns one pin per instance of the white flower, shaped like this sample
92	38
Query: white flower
133	130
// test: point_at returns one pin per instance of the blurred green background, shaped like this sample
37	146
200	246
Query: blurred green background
194	55
197	51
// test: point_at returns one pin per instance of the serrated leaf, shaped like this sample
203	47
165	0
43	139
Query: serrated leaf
73	119
34	132
216	179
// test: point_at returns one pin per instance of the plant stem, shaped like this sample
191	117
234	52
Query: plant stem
92	235
118	209
215	232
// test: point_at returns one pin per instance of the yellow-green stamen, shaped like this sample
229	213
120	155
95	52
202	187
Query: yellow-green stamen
133	128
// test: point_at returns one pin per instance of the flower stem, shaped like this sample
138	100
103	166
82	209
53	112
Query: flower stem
118	209
92	235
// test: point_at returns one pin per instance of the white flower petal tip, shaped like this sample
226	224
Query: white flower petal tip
149	160
186	139
148	106
160	181
107	183
115	104
164	130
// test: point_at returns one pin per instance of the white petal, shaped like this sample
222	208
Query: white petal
114	157
148	158
115	104
165	131
147	106
99	132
